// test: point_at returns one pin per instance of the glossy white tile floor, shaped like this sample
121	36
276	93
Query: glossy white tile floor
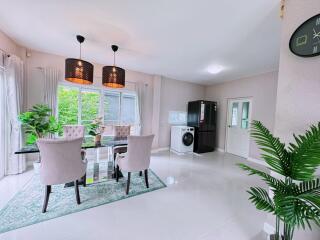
205	199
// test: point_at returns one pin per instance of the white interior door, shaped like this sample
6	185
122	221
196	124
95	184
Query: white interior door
239	118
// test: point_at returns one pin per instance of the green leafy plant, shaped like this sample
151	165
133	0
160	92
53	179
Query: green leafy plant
295	197
96	127
38	123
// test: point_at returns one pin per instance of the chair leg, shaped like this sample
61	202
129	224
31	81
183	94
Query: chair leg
146	177
84	179
46	198
140	173
76	188
128	183
117	173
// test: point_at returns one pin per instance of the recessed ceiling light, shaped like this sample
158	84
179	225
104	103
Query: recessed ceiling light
215	69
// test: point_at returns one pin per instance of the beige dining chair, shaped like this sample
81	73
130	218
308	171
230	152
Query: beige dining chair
72	132
120	132
137	158
61	163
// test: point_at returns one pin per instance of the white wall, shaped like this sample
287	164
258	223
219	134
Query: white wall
156	109
162	95
175	96
10	46
262	89
35	82
298	98
299	78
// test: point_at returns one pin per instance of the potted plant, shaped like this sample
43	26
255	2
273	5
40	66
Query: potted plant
38	123
295	195
96	129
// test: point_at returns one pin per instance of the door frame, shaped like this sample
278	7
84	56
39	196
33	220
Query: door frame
250	100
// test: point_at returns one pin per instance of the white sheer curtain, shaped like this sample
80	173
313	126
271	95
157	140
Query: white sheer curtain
15	89
51	80
3	118
140	89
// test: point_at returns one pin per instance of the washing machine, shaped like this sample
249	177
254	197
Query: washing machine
182	138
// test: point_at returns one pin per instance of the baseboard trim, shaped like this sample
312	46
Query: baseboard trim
268	229
257	161
197	154
156	150
220	150
29	163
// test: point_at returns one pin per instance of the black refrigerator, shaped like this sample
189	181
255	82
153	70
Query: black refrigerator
202	115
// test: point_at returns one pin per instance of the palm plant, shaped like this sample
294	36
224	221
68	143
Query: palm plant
295	196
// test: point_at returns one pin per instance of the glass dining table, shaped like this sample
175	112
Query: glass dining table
97	170
106	141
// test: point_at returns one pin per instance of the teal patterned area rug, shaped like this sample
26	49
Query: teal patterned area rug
24	208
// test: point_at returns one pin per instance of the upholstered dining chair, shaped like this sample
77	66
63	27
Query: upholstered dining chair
72	132
120	132
61	163
137	158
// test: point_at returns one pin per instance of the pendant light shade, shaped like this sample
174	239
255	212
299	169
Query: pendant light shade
112	76
78	70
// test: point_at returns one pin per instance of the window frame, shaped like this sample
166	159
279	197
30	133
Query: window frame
80	120
101	91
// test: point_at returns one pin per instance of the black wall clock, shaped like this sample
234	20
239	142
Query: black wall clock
305	41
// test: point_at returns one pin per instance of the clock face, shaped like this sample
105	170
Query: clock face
305	41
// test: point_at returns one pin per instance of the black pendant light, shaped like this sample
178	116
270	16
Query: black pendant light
78	70
112	76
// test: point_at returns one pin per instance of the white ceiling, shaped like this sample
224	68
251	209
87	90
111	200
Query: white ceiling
175	38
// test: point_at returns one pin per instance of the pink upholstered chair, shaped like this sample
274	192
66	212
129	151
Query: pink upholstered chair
60	163
72	132
120	132
137	158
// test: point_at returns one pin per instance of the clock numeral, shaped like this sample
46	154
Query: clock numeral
315	49
318	21
302	40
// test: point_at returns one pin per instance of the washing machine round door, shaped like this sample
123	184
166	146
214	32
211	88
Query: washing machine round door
187	139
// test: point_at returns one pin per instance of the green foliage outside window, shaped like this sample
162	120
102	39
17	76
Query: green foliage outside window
68	105
80	105
89	106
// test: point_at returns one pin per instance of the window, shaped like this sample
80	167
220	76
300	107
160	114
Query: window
90	102
111	105
79	105
245	115
128	109
177	117
68	101
234	117
119	108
